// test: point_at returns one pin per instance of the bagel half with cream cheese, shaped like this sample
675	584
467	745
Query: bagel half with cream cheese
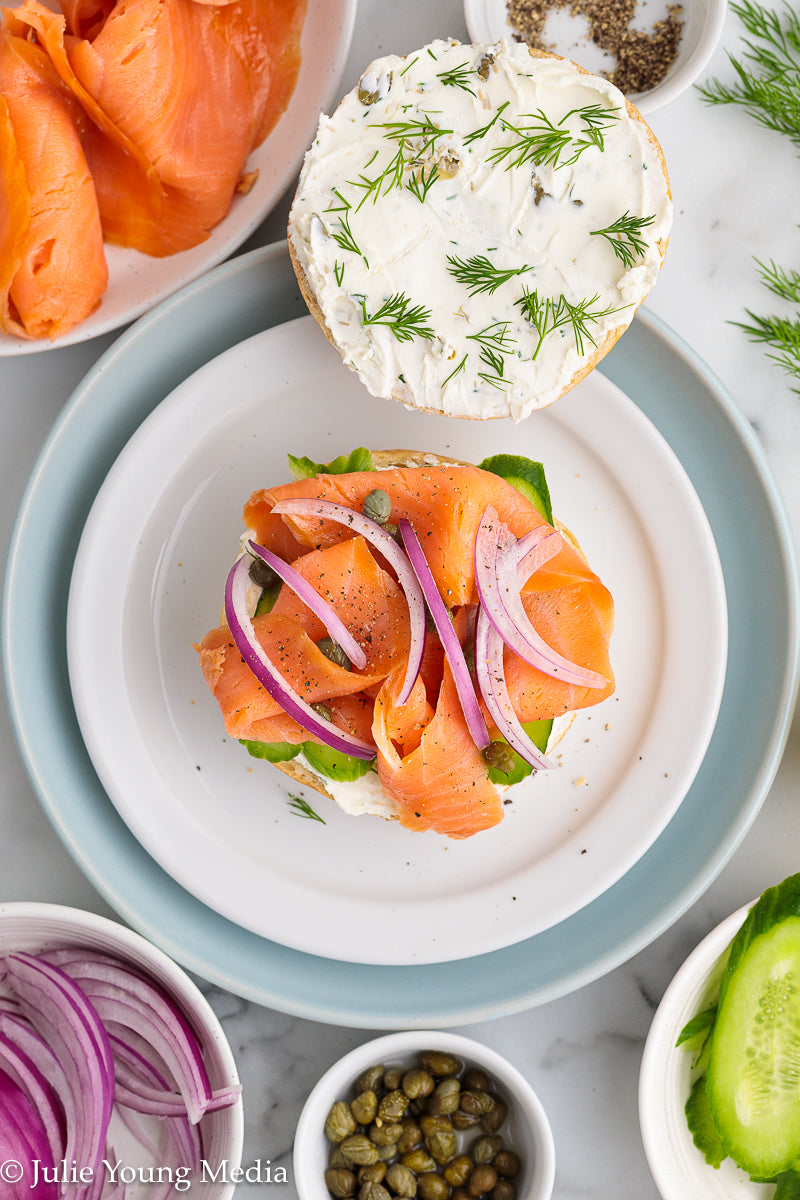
425	765
476	225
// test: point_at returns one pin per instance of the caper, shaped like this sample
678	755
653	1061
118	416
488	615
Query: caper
459	1170
372	1191
476	1080
410	1137
388	1153
507	1164
377	506
385	1133
334	652
438	1063
367	97
418	1160
463	1120
484	1149
493	1119
445	1096
262	573
440	1138
392	1078
393	1106
340	1122
432	1186
484	65
370	1080
359	1149
482	1179
393	531
372	1173
364	1107
321	710
337	1159
460	1193
401	1181
500	757
477	1102
448	164
417	1082
503	1190
340	1182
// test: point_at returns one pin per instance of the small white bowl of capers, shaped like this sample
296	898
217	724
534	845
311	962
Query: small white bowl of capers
423	1116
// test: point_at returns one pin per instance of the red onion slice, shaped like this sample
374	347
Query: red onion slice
492	682
269	677
447	635
497	560
371	531
312	600
27	1076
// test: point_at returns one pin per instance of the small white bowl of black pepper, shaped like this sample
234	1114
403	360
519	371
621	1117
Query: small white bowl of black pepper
423	1116
652	50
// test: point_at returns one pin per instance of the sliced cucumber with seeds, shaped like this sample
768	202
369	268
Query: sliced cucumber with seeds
753	1078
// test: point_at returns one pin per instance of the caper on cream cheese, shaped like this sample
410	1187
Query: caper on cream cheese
474	223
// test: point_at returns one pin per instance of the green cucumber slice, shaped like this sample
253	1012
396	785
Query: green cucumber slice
753	1078
526	476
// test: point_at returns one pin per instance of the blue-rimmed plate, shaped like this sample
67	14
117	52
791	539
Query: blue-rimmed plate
688	406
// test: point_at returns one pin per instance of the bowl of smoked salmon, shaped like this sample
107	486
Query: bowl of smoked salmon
424	1113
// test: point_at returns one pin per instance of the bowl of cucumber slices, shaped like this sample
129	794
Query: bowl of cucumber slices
719	1087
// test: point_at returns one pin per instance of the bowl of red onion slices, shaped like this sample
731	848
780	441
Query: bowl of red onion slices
115	1074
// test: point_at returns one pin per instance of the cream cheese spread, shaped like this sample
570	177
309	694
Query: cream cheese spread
474	222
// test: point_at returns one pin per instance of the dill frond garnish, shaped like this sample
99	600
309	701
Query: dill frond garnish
547	315
338	271
484	129
784	284
421	184
390	177
478	274
406	322
344	238
457	77
780	334
400	131
767	81
596	122
457	370
541	143
495	343
624	237
301	808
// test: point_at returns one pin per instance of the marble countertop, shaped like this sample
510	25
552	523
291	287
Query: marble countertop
735	187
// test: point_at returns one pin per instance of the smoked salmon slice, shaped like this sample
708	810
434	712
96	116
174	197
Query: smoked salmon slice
427	761
53	271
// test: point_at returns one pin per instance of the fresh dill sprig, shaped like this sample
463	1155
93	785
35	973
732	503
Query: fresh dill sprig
624	237
421	184
301	808
338	271
404	321
784	284
344	238
390	177
399	131
484	129
782	334
457	370
456	77
767	83
554	313
479	275
495	343
541	143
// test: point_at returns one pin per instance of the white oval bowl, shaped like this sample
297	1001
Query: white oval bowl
487	21
677	1166
34	927
529	1129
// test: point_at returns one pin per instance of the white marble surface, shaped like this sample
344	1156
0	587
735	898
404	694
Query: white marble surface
735	187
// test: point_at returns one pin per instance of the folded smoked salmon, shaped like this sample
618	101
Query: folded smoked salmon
407	634
135	118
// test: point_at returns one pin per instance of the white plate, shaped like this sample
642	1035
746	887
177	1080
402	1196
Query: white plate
148	581
136	281
677	1166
